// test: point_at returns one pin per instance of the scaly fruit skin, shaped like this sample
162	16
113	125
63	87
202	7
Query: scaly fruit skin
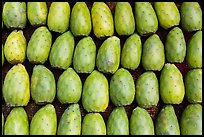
175	46
122	88
191	16
124	19
108	56
93	124
118	123
62	51
141	122
44	121
102	19
193	85
147	90
191	120
194	51
39	45
167	122
14	15
15	47
167	14
2	124
70	121
43	87
145	18
37	13
153	56
2	55
84	55
172	89
80	20
58	17
16	87
95	94
17	122
131	52
69	87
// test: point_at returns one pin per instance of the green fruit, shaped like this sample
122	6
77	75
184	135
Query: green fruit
167	14
2	55
124	19
118	123
39	45
153	56
122	88
191	16
191	120
141	122
145	18
102	19
43	87
95	95
37	13
62	51
15	47
131	52
193	85
16	87
17	122
14	15
85	55
172	89
2	124
108	56
70	121
69	87
80	20
93	124
44	121
167	122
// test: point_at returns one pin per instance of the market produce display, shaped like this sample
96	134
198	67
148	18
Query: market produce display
101	68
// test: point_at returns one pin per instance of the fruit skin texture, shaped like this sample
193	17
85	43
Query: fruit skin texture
102	20
70	121
167	122
44	121
17	122
39	45
191	120
95	94
108	56
43	87
37	13
2	124
175	46
15	47
16	87
14	15
131	52
84	55
122	88
124	19
69	87
80	20
172	89
141	122
167	14
2	55
118	123
193	85
58	17
145	18
147	90
62	50
153	56
191	16
194	51
93	124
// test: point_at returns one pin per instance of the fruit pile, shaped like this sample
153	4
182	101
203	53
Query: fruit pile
108	68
